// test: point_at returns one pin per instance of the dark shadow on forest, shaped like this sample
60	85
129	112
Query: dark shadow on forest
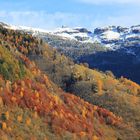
119	62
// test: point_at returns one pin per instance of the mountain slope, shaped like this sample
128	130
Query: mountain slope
93	86
40	108
33	107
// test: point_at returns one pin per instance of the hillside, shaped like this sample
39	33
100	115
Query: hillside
102	89
34	107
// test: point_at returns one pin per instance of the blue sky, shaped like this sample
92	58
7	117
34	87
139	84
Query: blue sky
50	14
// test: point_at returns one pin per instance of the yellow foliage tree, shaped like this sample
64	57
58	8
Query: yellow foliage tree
21	94
28	121
95	137
84	112
57	99
35	115
1	102
37	94
13	99
19	118
9	129
82	134
4	125
7	115
99	86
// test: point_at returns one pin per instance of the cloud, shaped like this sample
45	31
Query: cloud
41	19
122	20
110	2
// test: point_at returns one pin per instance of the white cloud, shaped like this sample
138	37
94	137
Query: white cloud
109	2
42	19
122	20
53	20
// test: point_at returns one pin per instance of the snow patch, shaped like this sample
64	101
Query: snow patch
110	35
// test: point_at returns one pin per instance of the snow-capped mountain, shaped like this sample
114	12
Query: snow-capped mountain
112	37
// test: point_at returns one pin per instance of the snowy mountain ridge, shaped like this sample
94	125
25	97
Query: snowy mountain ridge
112	37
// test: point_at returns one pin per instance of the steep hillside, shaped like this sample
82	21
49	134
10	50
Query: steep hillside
33	107
117	95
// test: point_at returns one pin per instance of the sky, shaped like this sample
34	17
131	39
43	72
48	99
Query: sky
51	14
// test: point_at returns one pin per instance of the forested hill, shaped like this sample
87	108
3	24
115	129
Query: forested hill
34	100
